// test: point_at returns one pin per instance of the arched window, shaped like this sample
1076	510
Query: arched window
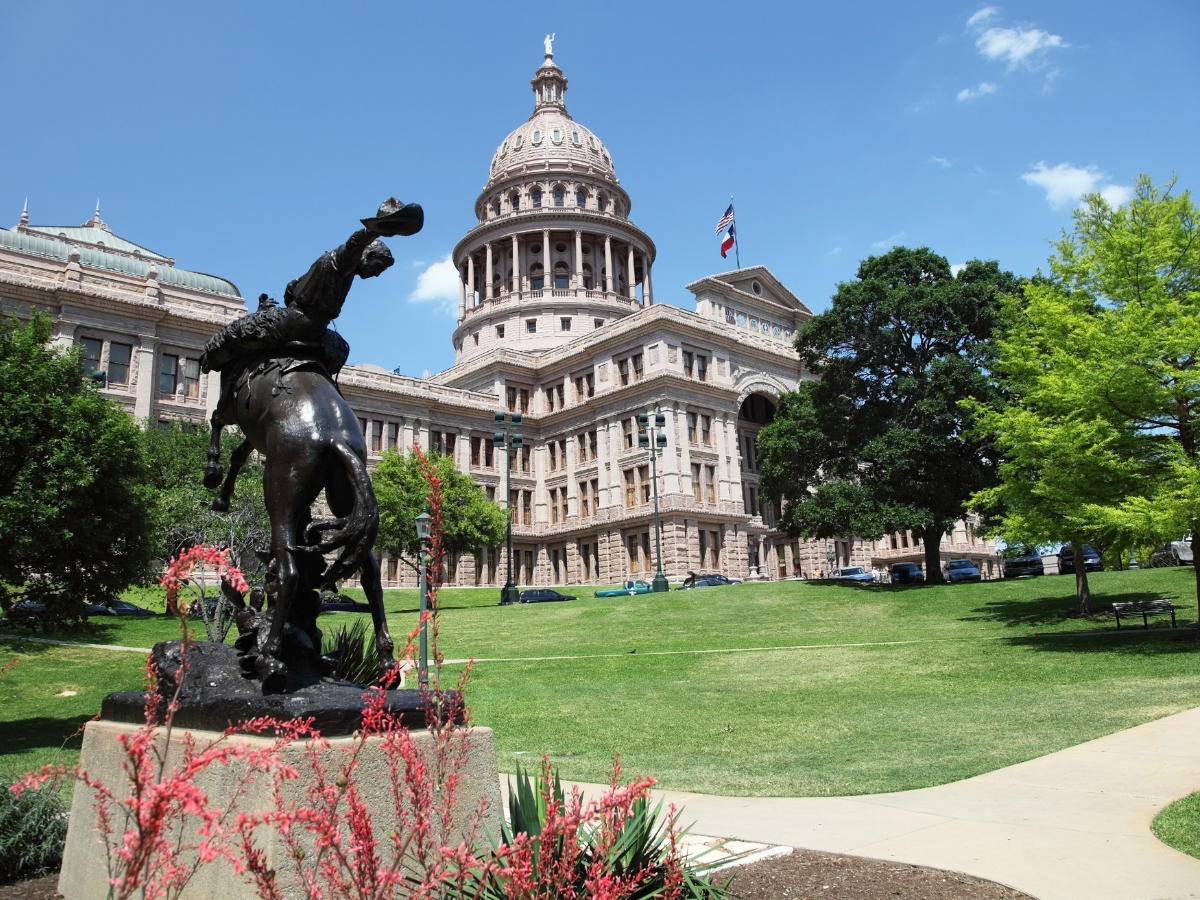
562	276
581	199
587	276
537	280
560	196
535	198
516	202
601	203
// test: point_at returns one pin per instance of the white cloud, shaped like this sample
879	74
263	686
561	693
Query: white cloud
1065	184
835	251
942	161
438	284
985	87
981	18
1017	46
887	243
955	268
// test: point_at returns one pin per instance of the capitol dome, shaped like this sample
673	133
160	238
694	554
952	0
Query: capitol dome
554	255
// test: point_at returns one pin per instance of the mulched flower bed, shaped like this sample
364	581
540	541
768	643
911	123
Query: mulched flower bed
808	873
799	876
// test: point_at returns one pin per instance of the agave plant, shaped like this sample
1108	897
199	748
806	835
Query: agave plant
352	653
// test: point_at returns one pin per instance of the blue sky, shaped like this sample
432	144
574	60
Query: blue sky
246	138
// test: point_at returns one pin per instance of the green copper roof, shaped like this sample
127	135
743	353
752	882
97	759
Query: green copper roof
97	259
90	234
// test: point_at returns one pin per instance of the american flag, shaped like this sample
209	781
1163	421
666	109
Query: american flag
725	220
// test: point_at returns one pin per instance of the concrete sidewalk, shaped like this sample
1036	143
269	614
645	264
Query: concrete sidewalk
1074	825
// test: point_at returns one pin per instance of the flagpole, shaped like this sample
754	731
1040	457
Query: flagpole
737	252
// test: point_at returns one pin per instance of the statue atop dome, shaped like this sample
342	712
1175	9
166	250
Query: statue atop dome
549	46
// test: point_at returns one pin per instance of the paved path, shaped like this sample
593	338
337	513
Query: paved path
1074	825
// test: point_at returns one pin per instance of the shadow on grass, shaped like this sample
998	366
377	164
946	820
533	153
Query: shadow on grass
1054	610
1126	642
41	733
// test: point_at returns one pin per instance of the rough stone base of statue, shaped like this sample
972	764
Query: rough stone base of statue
85	867
214	695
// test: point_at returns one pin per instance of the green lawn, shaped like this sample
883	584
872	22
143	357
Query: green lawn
774	689
1178	825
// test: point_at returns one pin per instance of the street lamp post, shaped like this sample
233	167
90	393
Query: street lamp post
658	443
423	581
511	441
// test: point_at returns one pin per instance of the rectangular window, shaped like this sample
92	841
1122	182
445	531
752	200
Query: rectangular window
476	452
595	494
393	435
489	451
585	386
715	540
688	363
554	506
511	394
627	425
191	378
623	370
527	507
553	448
450	440
565	324
491	493
89	362
514	506
704	550
691	420
500	331
531	326
524	401
632	544
702	368
524	457
710	483
362	426
168	373
706	430
696	490
636	359
435	441
630	489
644	481
585	508
377	436
119	356
392	568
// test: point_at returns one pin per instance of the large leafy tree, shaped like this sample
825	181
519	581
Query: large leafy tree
1102	437
469	519
76	516
176	455
882	442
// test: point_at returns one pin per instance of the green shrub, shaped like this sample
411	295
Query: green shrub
33	828
352	652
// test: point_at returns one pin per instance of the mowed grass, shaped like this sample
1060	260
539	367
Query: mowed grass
785	689
1178	825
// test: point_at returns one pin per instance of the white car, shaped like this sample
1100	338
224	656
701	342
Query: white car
1182	550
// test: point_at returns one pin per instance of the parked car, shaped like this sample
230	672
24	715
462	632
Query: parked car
698	581
543	595
1182	550
342	603
1025	565
630	587
117	608
1066	560
960	570
907	573
853	573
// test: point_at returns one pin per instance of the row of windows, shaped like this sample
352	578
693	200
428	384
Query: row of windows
556	197
732	317
174	370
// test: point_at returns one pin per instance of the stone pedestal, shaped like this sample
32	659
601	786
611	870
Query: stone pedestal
85	869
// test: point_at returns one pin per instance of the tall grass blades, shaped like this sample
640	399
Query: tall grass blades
33	828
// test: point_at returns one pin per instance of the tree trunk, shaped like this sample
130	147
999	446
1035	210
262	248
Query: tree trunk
931	537
1083	594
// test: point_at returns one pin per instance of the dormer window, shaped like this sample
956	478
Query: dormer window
591	142
517	142
556	136
537	137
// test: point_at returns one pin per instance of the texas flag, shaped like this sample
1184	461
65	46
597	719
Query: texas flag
725	228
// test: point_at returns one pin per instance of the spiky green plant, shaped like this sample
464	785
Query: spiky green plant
33	828
353	653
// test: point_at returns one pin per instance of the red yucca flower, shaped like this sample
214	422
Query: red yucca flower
182	567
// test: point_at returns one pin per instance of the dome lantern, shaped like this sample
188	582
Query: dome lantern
549	85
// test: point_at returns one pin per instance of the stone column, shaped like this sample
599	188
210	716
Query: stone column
471	279
578	259
647	293
145	380
547	269
516	266
608	269
487	272
602	461
462	297
629	275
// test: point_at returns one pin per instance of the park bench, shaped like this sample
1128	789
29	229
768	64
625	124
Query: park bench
1145	609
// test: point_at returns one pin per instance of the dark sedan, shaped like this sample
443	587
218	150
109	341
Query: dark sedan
543	595
1027	565
907	573
960	570
698	581
117	608
1066	560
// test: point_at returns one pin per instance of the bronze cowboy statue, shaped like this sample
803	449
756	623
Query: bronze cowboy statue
278	368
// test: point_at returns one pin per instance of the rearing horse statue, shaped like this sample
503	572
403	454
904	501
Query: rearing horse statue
278	367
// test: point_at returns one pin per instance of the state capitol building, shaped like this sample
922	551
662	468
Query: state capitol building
557	320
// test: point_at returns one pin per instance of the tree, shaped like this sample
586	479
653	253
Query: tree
469	519
176	455
882	443
1102	363
75	508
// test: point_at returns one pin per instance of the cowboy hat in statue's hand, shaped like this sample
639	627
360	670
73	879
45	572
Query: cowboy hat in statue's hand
396	218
